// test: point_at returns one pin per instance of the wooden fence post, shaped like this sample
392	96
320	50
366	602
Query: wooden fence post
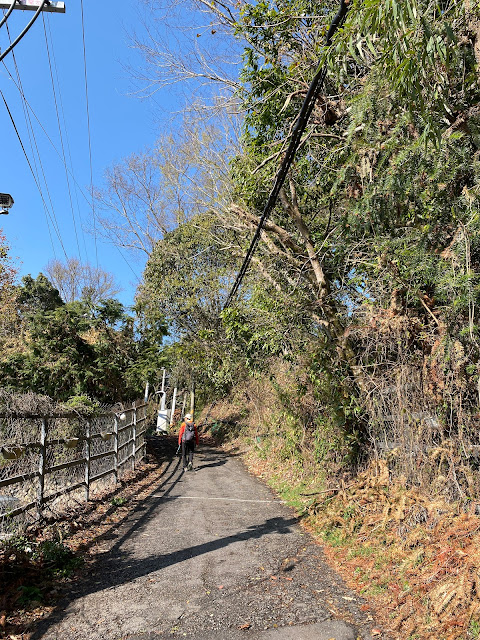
42	463
87	462
115	449
134	435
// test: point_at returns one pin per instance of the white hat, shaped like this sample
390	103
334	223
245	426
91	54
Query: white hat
188	416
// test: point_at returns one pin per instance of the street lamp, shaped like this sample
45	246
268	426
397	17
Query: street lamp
6	202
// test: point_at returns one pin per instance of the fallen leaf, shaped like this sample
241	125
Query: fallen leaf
221	586
245	626
376	632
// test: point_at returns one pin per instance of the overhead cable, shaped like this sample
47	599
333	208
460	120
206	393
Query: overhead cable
7	14
70	172
89	132
25	31
34	148
65	128
61	135
32	172
302	120
20	90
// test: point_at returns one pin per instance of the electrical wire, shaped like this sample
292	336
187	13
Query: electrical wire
89	130
65	128
61	136
33	173
27	107
25	31
302	120
34	147
77	185
7	14
20	90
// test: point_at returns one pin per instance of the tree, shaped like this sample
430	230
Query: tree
8	292
78	348
75	280
191	43
37	295
149	194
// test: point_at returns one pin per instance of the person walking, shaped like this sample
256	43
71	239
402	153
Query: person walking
188	437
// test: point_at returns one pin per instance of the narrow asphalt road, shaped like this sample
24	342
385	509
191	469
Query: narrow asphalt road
209	554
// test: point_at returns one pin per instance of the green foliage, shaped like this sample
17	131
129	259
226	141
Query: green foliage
37	295
57	559
83	405
29	594
79	348
368	267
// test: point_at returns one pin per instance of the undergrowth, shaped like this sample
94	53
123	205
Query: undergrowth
416	559
414	556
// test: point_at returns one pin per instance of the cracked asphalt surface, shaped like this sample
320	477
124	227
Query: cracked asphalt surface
211	553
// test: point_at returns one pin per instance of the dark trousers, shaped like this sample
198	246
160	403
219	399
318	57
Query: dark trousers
187	452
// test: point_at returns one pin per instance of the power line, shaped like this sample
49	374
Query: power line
303	117
33	173
30	132
7	14
88	128
30	108
62	110
45	132
61	135
24	32
34	147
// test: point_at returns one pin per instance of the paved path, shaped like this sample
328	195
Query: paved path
210	554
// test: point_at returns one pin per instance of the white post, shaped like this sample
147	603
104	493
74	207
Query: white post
184	404
87	461
174	399
134	436
162	414
163	380
41	465
115	449
147	388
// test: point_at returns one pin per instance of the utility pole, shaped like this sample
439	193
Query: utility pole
27	5
32	5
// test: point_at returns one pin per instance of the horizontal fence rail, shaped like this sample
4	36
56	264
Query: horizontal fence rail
47	460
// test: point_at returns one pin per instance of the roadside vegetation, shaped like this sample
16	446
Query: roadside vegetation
348	366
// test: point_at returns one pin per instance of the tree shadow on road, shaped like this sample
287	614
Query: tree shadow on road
118	566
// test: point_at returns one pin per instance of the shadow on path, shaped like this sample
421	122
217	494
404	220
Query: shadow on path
119	566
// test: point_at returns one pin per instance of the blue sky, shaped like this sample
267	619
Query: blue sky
120	124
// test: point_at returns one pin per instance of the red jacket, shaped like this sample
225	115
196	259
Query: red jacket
182	429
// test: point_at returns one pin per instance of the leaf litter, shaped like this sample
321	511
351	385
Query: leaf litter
416	559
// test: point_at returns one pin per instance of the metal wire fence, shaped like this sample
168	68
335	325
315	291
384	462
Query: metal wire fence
48	461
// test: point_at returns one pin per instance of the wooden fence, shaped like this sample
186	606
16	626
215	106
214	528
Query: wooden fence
44	458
